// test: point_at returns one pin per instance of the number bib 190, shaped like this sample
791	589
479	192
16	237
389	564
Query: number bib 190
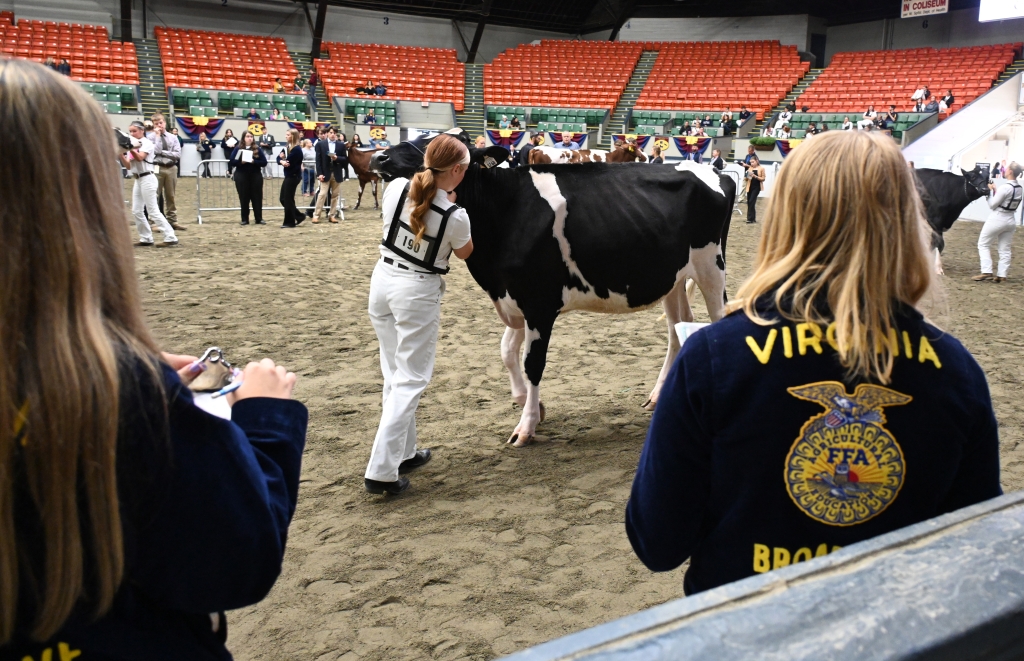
406	242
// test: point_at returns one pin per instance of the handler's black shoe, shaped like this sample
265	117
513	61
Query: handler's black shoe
393	488
421	457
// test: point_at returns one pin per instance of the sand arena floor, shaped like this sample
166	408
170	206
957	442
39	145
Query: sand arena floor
492	549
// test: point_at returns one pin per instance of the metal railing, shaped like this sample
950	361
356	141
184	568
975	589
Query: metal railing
217	191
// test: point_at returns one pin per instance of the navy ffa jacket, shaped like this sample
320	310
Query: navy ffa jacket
205	514
327	168
294	158
259	161
760	455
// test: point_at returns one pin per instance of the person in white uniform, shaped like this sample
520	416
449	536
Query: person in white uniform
422	228
139	163
1004	202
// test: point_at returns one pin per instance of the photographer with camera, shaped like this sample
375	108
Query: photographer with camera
755	177
137	157
166	154
1001	224
205	149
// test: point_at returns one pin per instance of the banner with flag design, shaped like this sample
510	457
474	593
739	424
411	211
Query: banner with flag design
505	137
691	146
786	146
640	140
306	129
193	126
557	136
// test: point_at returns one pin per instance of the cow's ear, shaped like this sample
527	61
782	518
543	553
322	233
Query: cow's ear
490	157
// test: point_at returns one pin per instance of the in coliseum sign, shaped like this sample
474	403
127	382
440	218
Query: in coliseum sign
924	7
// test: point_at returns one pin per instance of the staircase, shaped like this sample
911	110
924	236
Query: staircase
617	123
472	119
1016	67
324	108
151	78
798	89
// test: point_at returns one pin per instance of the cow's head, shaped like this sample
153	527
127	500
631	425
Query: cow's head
977	179
406	159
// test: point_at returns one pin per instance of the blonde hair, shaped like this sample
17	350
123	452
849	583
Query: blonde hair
443	153
293	137
70	315
844	226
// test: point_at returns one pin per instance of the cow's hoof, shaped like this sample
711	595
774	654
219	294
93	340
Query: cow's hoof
650	404
518	440
543	413
939	272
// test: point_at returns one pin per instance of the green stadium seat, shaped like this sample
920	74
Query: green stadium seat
178	98
127	95
390	105
350	106
266	105
300	116
209	111
290	106
798	133
195	111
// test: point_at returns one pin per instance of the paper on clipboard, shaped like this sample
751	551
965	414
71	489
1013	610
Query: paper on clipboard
245	155
218	407
685	329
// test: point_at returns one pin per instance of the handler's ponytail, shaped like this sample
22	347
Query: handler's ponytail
443	153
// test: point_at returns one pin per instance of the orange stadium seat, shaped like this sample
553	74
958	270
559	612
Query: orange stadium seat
93	57
409	72
561	73
854	80
220	60
716	75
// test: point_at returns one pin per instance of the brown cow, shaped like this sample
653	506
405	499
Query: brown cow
626	153
359	159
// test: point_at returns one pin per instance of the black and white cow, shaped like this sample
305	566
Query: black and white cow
945	196
599	237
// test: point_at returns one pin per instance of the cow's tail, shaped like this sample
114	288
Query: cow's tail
730	206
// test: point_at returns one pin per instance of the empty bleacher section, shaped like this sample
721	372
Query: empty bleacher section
717	75
203	103
561	74
409	72
110	67
852	81
221	61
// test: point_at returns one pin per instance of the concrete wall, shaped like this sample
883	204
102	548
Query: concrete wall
793	29
90	12
954	29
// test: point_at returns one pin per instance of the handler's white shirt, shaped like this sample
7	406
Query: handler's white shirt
147	147
456	234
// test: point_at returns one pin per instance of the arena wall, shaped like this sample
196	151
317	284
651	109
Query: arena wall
954	29
789	30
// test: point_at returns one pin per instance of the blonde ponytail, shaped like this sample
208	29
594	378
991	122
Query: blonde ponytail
443	153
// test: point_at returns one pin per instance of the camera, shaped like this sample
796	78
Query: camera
125	141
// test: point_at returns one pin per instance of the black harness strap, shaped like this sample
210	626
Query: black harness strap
427	262
1015	198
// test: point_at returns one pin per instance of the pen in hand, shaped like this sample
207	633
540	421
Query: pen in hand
231	387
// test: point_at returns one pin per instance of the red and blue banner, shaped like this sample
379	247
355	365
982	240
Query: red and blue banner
193	126
691	146
306	129
786	146
505	137
640	140
557	137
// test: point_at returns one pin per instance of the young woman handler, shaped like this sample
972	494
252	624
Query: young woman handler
825	410
248	176
129	518
422	228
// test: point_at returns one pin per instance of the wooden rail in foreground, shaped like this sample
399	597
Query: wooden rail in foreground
948	589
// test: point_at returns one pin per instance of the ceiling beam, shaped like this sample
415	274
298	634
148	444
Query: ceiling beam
485	13
309	19
318	29
126	20
625	11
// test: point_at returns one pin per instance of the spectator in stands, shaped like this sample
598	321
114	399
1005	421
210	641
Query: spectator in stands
698	130
291	161
278	86
1001	224
380	89
823	128
686	129
227	145
314	80
918	106
812	129
205	149
299	84
785	117
524	153
369	118
847	124
717	161
50	64
932	105
275	114
919	93
868	118
706	122
656	157
248	160
888	122
783	133
503	123
727	123
64	67
567	142
166	155
755	177
514	124
366	89
744	113
946	102
252	114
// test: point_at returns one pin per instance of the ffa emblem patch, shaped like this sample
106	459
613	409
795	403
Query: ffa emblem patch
845	467
256	128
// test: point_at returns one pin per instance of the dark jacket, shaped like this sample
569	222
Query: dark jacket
259	161
205	148
327	168
294	158
205	517
760	454
718	163
524	153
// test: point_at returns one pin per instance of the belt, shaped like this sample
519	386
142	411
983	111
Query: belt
139	176
388	260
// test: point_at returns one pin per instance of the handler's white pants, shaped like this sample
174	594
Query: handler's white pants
405	309
144	197
1001	230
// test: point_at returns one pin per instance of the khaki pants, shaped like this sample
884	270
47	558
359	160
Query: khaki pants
166	179
334	187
